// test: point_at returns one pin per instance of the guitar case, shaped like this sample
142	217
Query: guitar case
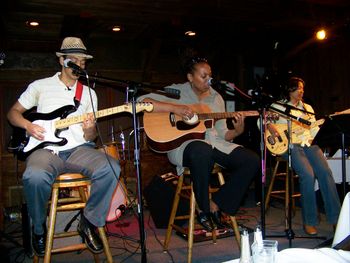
159	195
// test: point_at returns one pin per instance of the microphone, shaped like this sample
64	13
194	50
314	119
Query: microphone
260	98
258	93
303	121
222	85
299	119
172	93
68	63
213	82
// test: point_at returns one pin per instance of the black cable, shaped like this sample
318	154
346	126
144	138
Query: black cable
99	135
156	237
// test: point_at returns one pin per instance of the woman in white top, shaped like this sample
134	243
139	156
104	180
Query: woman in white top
309	163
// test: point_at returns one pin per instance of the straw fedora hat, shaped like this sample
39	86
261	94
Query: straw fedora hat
73	46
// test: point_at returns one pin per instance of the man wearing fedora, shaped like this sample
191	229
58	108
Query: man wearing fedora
78	155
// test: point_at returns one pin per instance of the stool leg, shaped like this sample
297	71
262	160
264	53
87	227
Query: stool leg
293	193
83	194
233	218
267	200
236	230
51	227
35	259
173	212
191	225
103	237
96	258
286	197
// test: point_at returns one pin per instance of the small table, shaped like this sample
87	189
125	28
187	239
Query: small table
335	165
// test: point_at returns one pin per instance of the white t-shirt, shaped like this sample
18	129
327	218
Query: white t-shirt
51	93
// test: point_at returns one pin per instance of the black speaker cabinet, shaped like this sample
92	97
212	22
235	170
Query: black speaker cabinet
159	195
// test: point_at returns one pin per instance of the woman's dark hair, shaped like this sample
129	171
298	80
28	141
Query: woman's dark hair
192	62
292	85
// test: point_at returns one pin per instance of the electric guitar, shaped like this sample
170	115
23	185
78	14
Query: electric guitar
167	131
56	121
300	134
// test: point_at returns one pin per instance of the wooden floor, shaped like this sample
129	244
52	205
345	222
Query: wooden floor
124	238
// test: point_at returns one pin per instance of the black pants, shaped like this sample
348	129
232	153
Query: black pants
242	166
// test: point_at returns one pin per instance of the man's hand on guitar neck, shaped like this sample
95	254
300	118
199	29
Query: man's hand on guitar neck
89	127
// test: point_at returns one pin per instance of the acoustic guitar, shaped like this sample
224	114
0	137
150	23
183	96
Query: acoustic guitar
167	131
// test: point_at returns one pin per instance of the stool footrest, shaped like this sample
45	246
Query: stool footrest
179	228
66	234
278	196
278	192
70	248
187	196
71	207
68	200
182	217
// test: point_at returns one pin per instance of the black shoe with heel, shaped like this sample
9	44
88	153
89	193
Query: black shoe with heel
204	219
88	233
217	219
39	242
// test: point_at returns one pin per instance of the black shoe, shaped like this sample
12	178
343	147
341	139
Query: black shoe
216	217
87	231
206	222
38	244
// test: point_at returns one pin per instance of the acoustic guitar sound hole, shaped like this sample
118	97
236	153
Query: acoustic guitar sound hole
182	126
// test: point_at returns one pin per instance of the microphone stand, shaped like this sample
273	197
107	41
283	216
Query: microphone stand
262	113
132	90
266	102
262	105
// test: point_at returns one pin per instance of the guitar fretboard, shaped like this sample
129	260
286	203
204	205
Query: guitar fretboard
225	115
64	123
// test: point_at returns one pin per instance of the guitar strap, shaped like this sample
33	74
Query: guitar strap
78	92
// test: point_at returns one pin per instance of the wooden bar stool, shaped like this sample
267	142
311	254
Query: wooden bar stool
73	181
186	191
281	193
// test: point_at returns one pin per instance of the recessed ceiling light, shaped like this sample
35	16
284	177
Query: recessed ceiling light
32	23
116	28
190	33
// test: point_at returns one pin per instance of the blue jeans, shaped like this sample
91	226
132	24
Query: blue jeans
310	164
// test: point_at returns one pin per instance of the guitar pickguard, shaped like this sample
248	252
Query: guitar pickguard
29	144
